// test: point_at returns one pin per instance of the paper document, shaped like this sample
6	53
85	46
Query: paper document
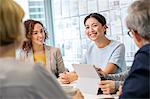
88	78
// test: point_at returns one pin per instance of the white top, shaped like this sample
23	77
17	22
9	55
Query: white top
112	53
19	80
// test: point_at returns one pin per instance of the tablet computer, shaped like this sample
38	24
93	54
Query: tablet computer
86	70
88	78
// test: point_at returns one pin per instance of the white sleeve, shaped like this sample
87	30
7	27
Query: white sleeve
118	57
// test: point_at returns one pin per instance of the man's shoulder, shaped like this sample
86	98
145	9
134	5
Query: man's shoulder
145	48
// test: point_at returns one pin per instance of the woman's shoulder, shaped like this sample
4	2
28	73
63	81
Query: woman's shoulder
116	43
52	48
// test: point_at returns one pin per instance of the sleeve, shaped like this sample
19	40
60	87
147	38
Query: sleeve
118	57
117	83
60	63
46	85
137	83
118	77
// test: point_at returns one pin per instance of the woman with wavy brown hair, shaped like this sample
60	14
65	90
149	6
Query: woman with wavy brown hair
35	50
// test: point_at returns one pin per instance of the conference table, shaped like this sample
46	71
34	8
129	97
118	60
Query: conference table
68	87
101	96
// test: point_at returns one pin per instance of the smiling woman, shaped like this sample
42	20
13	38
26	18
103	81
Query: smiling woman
106	54
35	50
38	35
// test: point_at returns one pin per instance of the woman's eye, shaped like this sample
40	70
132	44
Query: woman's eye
86	27
35	33
95	25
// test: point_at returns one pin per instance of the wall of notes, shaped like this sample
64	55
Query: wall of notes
68	16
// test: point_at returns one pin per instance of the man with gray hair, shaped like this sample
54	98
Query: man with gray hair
137	83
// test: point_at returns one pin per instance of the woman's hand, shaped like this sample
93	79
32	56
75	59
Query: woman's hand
63	78
67	77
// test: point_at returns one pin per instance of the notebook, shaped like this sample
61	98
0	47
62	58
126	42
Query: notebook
88	78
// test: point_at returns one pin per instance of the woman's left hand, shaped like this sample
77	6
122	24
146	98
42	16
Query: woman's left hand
67	77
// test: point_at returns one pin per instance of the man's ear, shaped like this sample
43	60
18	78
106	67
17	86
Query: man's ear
137	36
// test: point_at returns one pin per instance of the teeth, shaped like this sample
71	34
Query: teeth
92	34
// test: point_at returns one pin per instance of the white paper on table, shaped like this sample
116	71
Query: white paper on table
88	78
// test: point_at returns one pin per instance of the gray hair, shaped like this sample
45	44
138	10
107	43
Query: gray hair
138	18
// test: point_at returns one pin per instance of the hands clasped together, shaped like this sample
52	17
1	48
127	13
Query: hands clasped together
67	77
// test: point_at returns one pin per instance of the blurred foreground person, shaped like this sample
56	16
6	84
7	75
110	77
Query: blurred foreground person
19	80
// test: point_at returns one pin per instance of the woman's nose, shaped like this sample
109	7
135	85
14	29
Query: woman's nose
39	34
91	29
